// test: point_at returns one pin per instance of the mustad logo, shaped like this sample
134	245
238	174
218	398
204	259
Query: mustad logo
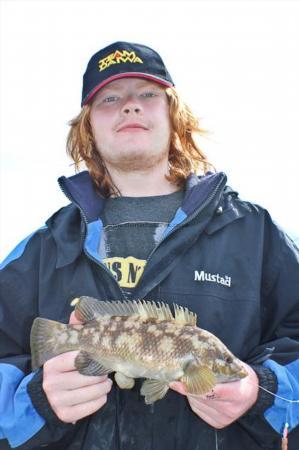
212	277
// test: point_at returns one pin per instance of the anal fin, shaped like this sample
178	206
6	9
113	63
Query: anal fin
86	365
153	390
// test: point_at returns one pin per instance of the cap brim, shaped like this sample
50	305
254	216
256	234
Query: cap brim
126	75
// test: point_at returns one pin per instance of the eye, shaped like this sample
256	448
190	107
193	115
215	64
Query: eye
148	94
110	99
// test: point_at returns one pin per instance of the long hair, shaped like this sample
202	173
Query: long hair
185	156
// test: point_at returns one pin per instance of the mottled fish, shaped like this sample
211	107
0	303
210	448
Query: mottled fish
138	339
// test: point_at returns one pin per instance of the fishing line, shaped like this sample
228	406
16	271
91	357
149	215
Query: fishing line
278	396
285	433
275	395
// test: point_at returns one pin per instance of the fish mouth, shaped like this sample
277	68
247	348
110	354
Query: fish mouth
236	376
242	373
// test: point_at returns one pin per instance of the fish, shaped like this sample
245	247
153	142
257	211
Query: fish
138	339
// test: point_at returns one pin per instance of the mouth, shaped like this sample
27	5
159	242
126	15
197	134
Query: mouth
131	127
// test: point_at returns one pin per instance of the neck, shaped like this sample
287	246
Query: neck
142	183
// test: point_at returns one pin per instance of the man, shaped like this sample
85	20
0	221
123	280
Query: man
142	225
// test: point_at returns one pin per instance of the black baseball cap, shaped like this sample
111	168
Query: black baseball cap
121	60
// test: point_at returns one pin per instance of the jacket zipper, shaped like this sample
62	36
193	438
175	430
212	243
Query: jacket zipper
216	440
191	217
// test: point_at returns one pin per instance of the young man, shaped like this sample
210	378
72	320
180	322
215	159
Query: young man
141	225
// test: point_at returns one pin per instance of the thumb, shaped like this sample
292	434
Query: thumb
178	387
73	319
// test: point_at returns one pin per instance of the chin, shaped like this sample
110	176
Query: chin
141	159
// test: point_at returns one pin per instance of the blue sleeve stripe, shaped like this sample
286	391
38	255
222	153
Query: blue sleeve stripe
18	250
93	239
282	412
19	421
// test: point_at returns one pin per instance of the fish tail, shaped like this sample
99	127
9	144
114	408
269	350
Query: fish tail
43	340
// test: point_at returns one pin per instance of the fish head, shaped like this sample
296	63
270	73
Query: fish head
227	367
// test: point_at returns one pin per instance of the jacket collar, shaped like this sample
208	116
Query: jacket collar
68	230
79	189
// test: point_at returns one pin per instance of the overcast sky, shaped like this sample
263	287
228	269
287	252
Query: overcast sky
234	62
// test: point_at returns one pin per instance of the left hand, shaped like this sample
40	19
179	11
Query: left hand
226	402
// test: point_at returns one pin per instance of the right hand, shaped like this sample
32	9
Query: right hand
71	395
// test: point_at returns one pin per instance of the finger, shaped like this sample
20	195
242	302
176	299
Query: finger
215	420
201	408
204	404
216	417
216	413
178	387
84	395
73	319
70	380
62	363
73	413
211	413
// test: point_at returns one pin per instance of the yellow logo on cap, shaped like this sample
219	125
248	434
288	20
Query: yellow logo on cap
119	57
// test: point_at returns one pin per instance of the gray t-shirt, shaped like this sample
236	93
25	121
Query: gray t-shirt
133	227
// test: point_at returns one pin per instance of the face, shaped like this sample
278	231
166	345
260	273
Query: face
131	125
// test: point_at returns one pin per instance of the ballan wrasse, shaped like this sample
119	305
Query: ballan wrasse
138	339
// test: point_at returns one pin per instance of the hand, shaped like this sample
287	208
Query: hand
71	395
226	402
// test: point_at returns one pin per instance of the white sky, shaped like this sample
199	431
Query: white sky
234	62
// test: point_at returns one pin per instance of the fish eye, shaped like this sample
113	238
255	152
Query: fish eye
228	359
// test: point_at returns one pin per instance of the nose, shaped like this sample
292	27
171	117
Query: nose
131	106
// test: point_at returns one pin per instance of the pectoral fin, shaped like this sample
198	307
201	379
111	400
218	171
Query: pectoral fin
123	381
153	390
198	379
86	365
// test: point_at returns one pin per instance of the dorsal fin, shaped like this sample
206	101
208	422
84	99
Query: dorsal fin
89	308
184	316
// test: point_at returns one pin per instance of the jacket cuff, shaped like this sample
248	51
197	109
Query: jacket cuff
267	380
40	401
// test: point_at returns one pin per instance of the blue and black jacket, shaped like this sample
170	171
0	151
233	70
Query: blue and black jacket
221	257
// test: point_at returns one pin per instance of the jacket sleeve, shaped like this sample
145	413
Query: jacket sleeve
21	426
279	372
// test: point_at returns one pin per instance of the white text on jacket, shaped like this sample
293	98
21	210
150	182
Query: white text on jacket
214	278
